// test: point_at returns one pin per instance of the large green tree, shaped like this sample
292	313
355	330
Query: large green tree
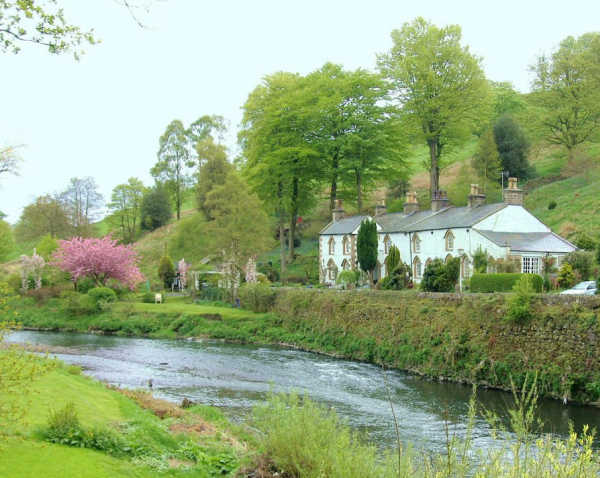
566	91
439	85
513	147
281	164
212	171
126	205
82	202
156	208
486	161
46	215
366	247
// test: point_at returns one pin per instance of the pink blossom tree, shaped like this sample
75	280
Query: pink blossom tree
182	268
99	259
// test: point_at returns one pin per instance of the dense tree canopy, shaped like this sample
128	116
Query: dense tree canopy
366	247
82	202
486	161
566	91
438	83
46	215
512	147
126	205
212	171
155	209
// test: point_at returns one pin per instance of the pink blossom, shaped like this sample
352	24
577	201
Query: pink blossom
100	259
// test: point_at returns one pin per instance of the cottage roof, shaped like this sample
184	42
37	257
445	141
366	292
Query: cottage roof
455	217
346	225
529	241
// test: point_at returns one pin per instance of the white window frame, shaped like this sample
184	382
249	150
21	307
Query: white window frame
416	243
331	245
449	241
531	264
346	246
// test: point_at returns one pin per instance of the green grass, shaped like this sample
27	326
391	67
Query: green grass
418	159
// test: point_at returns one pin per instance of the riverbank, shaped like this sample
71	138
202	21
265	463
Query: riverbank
463	339
69	425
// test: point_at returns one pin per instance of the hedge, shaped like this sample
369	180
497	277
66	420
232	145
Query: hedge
501	282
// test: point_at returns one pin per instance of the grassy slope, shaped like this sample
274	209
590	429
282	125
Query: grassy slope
23	455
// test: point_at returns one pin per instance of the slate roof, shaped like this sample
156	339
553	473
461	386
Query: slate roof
448	218
530	241
344	226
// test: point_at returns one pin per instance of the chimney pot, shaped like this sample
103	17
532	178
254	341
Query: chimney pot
338	212
380	208
411	205
513	195
439	201
477	196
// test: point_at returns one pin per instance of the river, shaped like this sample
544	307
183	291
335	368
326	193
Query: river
237	377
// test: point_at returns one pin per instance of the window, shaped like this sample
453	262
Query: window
530	265
417	268
331	270
387	243
346	245
449	241
416	243
346	264
448	257
331	246
466	268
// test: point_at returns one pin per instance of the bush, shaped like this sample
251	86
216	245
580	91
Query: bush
257	297
585	242
14	282
74	303
440	276
62	425
41	296
566	276
581	262
480	261
502	282
84	284
156	208
270	270
552	205
400	278
149	298
102	296
520	303
166	271
348	278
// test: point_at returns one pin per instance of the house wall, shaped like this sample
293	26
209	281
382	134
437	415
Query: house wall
512	219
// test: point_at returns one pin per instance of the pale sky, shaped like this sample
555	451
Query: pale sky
102	117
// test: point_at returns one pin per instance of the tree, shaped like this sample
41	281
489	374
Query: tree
441	277
240	228
281	164
512	147
166	271
566	90
486	161
46	247
42	23
366	247
9	159
100	259
155	210
439	85
392	260
212	172
46	215
566	276
7	243
126	205
82	202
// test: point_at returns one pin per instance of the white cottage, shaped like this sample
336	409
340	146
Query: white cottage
505	230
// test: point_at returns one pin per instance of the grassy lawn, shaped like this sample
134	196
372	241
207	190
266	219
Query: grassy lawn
180	307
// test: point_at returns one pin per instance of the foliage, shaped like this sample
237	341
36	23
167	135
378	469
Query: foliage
486	161
166	271
512	147
392	260
552	205
348	278
480	261
34	22
7	243
46	215
102	296
82	202
85	284
441	277
585	241
566	92
46	247
101	259
309	440
502	282
566	277
155	208
581	262
9	159
520	303
77	304
366	246
439	85
126	204
212	172
257	297
397	279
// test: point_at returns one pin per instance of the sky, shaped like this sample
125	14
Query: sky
102	116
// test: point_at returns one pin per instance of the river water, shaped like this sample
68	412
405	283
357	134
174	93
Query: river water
237	377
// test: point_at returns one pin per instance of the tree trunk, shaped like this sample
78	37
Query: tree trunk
359	201
434	173
281	232
293	218
570	155
334	176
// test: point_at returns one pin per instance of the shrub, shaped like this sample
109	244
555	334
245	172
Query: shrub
585	242
148	298
14	282
166	271
62	425
502	282
257	297
270	270
41	296
480	261
74	303
552	205
520	303
566	276
439	276
156	208
392	260
581	262
348	278
400	278
84	284
102	296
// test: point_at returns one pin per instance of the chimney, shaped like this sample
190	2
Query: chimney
512	194
337	212
439	201
380	208
411	205
476	196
